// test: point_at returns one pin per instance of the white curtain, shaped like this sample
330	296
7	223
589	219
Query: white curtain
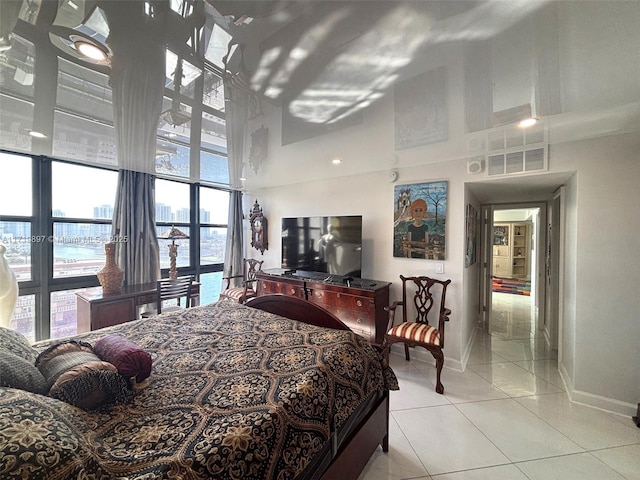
137	81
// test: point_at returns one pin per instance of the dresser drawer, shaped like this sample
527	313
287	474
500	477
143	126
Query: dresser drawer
293	290
327	297
360	324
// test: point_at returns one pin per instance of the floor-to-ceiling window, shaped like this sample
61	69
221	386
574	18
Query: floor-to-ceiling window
58	191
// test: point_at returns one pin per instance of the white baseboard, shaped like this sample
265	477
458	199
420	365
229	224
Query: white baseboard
595	401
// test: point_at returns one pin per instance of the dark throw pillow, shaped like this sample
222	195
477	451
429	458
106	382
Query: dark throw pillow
17	372
131	361
76	375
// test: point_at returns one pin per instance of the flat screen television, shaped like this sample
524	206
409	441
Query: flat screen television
331	245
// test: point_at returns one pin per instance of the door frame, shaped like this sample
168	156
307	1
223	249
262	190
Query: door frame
554	265
539	237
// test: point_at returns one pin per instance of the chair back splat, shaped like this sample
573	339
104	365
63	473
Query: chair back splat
425	293
248	286
169	289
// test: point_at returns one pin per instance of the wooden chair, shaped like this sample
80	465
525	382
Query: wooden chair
248	287
419	332
169	289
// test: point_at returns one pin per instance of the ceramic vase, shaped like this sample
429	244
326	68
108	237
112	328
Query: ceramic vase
111	276
8	290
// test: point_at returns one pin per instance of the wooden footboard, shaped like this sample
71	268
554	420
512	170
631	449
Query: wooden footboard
357	449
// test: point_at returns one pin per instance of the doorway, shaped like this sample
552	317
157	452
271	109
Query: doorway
514	287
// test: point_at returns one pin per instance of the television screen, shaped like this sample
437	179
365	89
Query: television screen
331	245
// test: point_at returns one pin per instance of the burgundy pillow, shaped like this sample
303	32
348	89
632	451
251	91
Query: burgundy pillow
129	358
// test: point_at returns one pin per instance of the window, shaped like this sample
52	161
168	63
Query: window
173	208
214	208
24	317
16	213
80	228
64	319
55	233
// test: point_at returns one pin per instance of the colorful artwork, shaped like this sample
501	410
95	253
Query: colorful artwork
472	236
419	220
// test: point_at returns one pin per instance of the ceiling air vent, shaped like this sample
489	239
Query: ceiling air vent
514	150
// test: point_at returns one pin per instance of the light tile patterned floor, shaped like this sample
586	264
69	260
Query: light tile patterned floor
506	417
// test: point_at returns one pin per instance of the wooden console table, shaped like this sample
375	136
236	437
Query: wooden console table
98	310
359	303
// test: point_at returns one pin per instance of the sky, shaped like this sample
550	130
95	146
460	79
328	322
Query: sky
76	189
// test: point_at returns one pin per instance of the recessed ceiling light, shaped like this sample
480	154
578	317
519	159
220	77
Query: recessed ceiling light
528	122
336	161
90	50
36	134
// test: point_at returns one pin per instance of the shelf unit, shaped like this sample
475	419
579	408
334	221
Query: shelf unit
511	250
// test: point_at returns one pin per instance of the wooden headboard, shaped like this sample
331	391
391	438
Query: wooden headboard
297	309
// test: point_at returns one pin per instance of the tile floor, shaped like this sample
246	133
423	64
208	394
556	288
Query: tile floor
507	417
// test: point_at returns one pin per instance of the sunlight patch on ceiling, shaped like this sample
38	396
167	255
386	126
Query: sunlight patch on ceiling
369	65
484	21
308	43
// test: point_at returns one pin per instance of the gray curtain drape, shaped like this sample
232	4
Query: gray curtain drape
237	110
234	253
137	82
134	221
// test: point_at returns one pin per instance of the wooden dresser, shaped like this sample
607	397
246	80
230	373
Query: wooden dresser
359	303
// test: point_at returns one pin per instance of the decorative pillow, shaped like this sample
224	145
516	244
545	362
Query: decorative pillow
131	361
17	372
76	375
17	343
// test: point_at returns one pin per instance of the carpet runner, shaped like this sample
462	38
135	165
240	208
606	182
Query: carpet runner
511	285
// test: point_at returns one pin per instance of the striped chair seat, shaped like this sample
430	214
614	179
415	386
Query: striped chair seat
417	332
237	294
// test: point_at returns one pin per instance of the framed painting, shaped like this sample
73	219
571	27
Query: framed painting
420	217
471	236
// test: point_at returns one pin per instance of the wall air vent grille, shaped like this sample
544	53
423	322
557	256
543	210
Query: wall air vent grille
514	150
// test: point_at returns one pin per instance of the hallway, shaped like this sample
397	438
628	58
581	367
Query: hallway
507	417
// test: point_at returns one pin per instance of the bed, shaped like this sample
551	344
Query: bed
235	392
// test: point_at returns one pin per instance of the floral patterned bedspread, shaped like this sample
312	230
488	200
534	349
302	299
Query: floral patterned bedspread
235	393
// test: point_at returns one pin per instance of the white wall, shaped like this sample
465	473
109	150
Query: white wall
371	195
603	266
600	358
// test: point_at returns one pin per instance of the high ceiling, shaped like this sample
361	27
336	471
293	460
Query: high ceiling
325	58
575	64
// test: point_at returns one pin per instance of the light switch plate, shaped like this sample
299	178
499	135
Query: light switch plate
439	267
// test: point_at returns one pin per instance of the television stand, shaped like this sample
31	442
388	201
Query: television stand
358	302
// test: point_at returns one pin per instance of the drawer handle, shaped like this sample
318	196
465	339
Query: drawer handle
318	294
293	291
359	321
359	303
